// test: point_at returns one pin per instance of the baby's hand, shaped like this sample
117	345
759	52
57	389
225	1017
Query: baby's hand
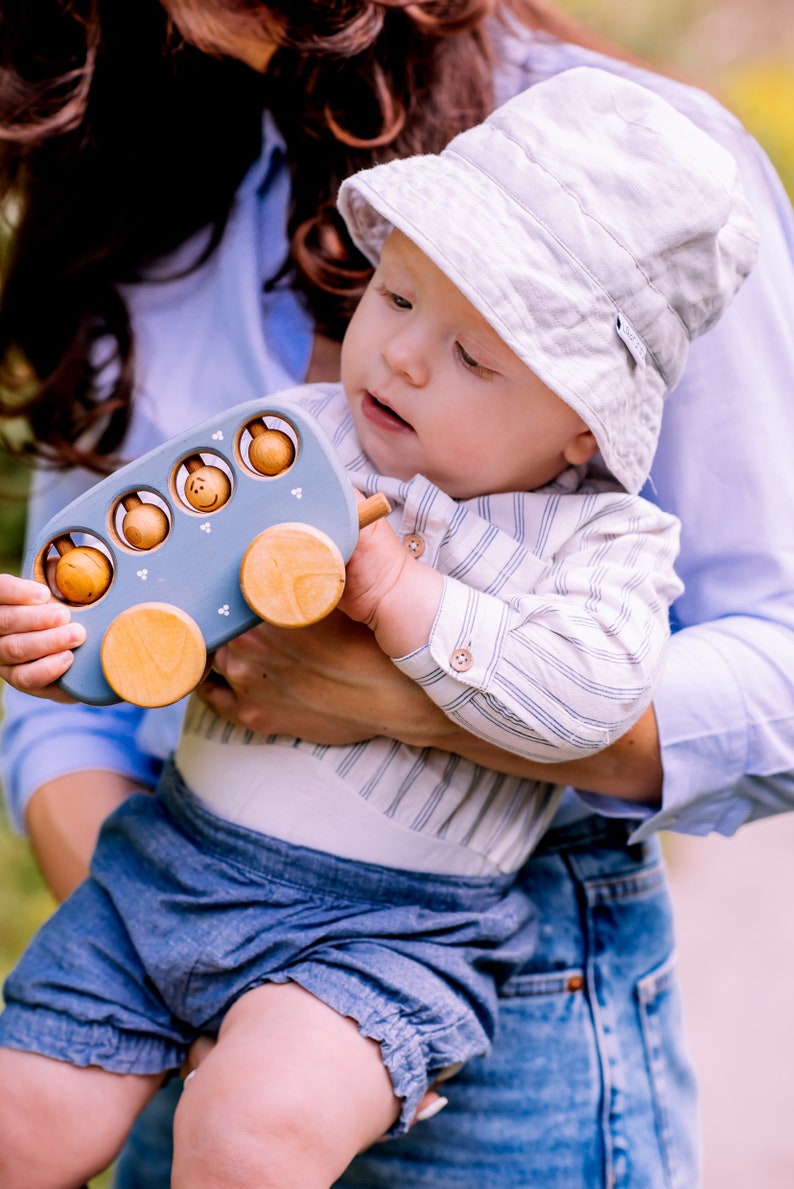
372	572
390	591
36	638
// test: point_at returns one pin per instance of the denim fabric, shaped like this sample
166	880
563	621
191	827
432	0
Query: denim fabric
185	912
145	1162
588	1085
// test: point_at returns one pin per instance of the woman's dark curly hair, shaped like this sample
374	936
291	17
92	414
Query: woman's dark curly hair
119	139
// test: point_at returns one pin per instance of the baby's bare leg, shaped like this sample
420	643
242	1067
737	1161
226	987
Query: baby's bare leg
285	1100
61	1124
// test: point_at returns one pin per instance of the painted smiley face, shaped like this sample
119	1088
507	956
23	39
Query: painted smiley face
207	489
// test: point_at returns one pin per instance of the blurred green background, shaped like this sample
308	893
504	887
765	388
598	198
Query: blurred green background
742	52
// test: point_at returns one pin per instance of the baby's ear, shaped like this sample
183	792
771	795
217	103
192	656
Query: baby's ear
580	448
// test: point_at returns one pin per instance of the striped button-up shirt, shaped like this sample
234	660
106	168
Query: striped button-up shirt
549	641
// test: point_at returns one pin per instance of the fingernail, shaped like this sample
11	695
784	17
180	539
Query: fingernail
76	635
431	1109
192	1074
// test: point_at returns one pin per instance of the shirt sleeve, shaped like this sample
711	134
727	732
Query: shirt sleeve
43	740
564	668
725	706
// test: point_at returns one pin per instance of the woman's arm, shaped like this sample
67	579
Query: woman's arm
332	684
63	818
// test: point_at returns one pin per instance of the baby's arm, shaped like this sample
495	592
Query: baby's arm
563	667
564	659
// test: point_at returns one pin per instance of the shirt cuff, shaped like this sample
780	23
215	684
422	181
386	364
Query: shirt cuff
465	643
702	722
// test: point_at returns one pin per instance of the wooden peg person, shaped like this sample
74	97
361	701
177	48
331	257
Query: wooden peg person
145	525
270	451
82	573
207	488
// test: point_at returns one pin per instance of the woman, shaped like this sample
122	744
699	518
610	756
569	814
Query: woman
107	138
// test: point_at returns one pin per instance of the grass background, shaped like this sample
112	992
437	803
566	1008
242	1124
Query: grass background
733	48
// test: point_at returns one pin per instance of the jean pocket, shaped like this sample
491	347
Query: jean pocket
671	1078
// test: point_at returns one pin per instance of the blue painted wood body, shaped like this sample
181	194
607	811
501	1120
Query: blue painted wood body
197	567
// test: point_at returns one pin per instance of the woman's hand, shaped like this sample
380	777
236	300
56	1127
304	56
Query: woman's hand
36	638
329	683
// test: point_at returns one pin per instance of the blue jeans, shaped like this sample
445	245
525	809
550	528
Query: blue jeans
588	1085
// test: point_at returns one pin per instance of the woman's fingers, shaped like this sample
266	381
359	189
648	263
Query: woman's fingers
429	1106
329	683
22	590
201	1047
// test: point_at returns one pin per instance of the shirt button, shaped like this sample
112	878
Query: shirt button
461	660
575	983
414	544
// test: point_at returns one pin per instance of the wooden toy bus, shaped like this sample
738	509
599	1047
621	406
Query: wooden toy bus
248	516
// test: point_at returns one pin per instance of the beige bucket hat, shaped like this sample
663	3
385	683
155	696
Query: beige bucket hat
595	228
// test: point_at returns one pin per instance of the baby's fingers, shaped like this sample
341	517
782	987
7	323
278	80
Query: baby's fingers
35	644
21	591
39	676
33	641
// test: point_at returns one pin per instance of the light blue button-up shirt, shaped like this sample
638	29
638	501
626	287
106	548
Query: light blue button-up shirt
725	466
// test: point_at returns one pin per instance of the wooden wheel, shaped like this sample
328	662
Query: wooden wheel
153	654
292	575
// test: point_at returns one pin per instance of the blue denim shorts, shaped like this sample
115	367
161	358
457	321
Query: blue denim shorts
184	912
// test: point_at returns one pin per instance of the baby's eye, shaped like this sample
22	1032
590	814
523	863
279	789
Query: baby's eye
400	303
471	363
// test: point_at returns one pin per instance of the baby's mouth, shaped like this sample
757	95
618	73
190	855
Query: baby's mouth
383	411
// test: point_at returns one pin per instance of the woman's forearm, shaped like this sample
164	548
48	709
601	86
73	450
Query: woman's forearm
330	683
63	818
630	769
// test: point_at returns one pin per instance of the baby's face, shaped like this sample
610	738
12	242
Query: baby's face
433	390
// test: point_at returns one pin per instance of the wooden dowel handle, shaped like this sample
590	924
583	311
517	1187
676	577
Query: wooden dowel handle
64	544
373	508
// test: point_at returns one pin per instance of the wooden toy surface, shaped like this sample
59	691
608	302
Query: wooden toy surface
178	596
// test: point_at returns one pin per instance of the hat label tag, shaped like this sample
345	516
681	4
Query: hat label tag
636	346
